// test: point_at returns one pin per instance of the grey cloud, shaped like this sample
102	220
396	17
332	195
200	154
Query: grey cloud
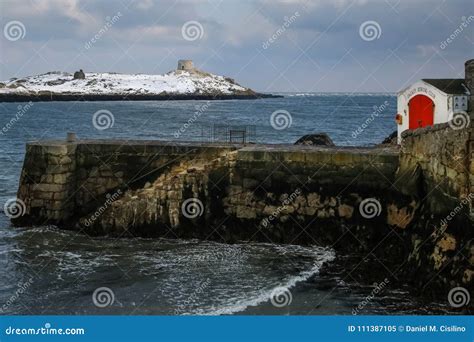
323	43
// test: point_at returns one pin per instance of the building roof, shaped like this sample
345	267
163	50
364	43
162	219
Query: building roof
449	85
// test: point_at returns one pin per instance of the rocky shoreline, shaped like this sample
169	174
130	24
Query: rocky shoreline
6	97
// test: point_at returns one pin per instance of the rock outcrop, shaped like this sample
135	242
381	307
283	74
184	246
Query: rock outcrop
391	139
318	139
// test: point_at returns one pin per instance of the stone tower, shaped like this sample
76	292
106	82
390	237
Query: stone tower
185	64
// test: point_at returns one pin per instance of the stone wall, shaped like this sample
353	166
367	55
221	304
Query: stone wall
436	165
308	195
285	194
47	182
61	181
471	163
436	170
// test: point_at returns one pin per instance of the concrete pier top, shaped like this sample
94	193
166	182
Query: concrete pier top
302	148
390	150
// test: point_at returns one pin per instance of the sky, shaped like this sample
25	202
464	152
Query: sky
267	45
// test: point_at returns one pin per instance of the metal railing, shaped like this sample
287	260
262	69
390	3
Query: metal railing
230	134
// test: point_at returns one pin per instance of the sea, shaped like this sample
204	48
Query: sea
45	270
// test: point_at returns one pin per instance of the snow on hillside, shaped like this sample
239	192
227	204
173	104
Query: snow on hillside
174	82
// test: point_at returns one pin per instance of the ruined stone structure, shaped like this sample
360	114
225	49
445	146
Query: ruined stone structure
79	75
410	208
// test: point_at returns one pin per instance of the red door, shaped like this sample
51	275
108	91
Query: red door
420	112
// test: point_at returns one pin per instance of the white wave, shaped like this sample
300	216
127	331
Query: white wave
321	255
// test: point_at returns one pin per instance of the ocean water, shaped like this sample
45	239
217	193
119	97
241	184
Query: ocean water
49	271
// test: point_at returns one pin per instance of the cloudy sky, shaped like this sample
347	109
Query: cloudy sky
268	45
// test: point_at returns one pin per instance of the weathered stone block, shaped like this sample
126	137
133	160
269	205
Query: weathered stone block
342	158
36	203
51	168
60	195
345	211
57	150
296	156
244	212
318	157
48	187
61	178
249	183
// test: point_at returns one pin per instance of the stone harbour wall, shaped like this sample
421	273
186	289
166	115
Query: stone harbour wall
440	159
47	183
408	209
61	181
285	194
436	170
315	196
470	163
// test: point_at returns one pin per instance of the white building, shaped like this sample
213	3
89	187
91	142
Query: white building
432	101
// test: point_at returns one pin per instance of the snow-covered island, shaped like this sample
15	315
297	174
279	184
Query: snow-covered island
186	82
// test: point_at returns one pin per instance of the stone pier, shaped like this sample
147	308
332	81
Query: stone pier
410	206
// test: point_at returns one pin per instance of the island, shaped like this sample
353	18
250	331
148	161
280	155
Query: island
184	83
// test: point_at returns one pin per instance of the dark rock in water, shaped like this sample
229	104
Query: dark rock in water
391	139
318	139
79	75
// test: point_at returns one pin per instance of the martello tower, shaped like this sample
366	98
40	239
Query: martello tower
185	64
